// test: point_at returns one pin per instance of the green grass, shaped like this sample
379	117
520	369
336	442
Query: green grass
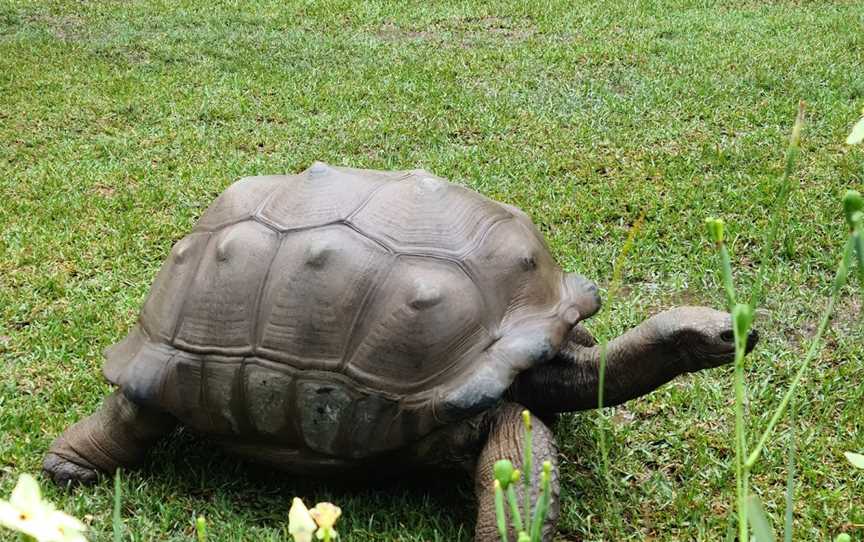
120	122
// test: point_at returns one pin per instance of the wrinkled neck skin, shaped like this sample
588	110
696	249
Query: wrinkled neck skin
636	363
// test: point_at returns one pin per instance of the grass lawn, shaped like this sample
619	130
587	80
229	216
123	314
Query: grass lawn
120	122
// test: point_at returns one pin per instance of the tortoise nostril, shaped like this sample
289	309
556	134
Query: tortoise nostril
728	336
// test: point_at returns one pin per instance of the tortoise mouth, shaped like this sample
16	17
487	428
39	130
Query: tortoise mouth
725	347
752	340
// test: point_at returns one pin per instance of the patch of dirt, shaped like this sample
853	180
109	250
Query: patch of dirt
685	297
129	54
63	27
104	190
847	320
849	315
391	32
462	32
497	26
269	119
622	417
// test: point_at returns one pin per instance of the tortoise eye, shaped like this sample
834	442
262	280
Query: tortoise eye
727	336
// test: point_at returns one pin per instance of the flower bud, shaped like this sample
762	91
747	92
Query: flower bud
742	318
853	203
504	471
715	229
526	419
201	528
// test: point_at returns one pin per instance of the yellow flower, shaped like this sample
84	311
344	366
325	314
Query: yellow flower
301	526
325	515
27	513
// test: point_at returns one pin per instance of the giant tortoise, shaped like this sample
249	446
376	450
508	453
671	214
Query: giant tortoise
342	319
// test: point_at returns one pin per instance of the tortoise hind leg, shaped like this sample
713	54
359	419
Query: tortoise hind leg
506	440
117	435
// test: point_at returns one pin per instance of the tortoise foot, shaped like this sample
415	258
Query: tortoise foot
67	473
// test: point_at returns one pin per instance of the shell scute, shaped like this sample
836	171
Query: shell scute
515	272
219	310
164	303
223	397
323	408
320	195
318	282
182	390
424	325
427	215
269	401
240	201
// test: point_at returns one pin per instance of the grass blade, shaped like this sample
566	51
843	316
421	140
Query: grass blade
790	477
762	530
617	272
514	508
116	520
543	504
859	251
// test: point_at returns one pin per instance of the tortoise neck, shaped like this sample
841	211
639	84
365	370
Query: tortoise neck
637	362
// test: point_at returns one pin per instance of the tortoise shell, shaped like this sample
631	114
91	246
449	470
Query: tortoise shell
346	311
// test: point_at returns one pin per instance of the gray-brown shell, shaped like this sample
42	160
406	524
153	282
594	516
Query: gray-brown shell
346	311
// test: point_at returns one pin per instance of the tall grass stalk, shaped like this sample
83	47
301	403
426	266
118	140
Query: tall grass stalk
779	205
742	311
742	315
116	520
789	515
839	281
614	286
741	320
529	530
500	516
527	465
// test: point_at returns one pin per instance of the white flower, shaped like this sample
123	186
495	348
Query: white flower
27	513
857	460
857	134
301	526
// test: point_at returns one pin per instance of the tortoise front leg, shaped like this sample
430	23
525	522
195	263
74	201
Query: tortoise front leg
117	435
506	440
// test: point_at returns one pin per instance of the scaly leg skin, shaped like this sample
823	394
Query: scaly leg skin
117	435
506	440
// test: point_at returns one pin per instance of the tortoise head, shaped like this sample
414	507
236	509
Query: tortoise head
583	298
702	336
